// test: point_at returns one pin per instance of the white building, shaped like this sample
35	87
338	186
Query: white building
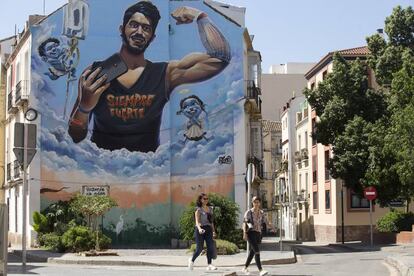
287	177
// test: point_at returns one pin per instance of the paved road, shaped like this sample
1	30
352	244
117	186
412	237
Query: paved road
315	260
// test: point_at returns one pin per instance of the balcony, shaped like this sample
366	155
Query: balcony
8	171
253	95
258	165
22	92
11	107
298	156
16	167
304	154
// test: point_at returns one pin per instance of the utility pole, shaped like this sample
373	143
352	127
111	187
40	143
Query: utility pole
342	213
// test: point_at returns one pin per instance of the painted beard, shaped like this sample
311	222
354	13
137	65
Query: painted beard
135	49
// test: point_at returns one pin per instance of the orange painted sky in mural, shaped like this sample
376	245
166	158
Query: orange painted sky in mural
142	195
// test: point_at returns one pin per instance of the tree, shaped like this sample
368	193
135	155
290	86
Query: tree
92	207
347	107
392	58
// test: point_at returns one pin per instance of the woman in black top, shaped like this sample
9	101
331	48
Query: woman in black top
204	231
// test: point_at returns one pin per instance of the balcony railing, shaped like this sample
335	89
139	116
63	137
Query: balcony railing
16	167
8	171
254	93
21	91
258	166
298	156
304	154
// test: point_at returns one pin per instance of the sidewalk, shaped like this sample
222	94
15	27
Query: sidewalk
270	255
400	256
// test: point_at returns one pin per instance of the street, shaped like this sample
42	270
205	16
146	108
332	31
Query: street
312	260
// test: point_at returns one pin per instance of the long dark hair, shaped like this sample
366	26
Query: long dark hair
199	203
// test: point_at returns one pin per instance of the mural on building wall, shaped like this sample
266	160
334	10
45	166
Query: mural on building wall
153	91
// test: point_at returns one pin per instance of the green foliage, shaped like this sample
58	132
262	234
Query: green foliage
223	248
396	221
391	153
93	207
78	239
51	241
40	223
225	212
59	214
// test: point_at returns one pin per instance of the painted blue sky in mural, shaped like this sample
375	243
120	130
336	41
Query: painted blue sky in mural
221	95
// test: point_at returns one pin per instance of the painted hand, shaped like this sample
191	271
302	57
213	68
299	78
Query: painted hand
91	89
185	15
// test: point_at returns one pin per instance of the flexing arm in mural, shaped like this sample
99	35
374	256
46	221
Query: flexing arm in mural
127	111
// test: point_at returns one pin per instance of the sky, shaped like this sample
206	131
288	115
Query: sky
285	31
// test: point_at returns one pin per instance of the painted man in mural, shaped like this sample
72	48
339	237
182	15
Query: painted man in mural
127	111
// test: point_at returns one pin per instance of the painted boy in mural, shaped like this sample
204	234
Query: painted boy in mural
127	111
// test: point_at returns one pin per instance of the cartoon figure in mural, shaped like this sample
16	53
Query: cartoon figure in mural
60	58
127	111
192	107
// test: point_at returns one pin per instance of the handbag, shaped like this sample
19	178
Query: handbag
214	250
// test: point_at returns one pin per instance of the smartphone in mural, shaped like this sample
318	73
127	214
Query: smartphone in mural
113	67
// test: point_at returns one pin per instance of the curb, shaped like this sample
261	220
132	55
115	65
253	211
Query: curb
31	257
348	248
402	268
57	260
141	263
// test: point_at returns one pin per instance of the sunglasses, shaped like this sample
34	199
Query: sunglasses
205	198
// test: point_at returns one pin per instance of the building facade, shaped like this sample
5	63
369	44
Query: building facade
152	187
6	46
272	159
282	83
330	201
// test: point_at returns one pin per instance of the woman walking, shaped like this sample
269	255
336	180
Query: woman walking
204	231
252	230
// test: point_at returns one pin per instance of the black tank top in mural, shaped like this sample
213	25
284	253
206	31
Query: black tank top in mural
131	117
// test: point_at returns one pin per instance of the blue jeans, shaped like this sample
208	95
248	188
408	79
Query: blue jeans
200	238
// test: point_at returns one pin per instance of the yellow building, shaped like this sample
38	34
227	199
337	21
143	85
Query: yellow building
5	50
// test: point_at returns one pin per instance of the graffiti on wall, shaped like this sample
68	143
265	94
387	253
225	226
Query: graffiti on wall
151	113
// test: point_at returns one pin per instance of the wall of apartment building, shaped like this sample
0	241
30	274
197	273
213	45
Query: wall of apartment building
277	89
302	175
19	71
327	222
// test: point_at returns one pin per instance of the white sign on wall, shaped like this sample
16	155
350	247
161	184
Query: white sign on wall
95	190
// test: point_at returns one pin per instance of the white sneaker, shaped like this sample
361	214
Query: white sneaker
211	267
263	273
245	271
190	264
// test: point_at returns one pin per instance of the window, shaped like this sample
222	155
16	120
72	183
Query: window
313	131
299	142
314	170
358	202
327	176
324	74
312	86
306	183
328	199
306	139
280	144
315	200
300	183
